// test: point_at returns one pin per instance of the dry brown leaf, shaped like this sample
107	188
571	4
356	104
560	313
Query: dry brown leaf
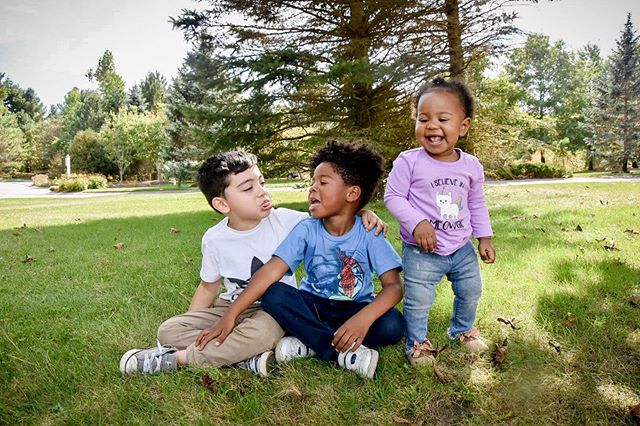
401	421
500	352
441	377
208	382
118	246
28	258
611	246
17	233
634	299
579	228
570	320
555	345
632	231
541	229
291	391
51	249
174	230
186	260
634	412
510	322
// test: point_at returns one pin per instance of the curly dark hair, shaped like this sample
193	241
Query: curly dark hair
358	165
213	175
456	87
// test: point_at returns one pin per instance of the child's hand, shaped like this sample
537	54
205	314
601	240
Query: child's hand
350	335
219	332
425	236
371	220
486	250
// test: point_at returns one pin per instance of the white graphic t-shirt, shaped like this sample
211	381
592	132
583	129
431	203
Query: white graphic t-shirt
235	255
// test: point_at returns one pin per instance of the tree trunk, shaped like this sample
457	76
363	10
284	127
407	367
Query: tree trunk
454	39
542	159
634	164
625	161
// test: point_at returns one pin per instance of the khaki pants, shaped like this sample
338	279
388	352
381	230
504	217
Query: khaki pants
255	332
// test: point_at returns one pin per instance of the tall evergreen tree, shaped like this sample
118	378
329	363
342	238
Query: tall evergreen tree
112	86
298	72
616	115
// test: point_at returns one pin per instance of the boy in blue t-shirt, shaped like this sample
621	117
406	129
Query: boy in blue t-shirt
334	314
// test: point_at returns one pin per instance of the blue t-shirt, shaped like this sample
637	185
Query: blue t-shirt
341	267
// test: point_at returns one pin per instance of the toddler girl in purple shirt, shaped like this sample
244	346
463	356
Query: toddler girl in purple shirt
435	192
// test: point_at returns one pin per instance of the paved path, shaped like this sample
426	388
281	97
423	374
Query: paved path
24	189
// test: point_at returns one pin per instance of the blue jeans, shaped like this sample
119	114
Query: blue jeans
422	271
314	319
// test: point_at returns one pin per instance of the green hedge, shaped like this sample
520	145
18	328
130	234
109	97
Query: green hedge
532	171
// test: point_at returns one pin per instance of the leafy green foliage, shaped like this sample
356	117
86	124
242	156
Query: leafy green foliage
532	171
89	155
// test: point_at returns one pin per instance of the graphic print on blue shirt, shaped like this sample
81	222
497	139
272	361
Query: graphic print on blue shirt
351	277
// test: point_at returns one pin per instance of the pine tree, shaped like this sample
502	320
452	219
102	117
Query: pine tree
616	116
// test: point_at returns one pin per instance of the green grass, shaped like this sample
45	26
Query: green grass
67	317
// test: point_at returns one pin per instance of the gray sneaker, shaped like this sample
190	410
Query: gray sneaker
161	359
363	361
290	347
259	365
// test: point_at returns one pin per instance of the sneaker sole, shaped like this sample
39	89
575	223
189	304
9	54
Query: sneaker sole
372	365
266	364
125	359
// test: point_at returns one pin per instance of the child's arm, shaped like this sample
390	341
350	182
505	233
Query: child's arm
351	334
204	295
371	220
479	216
271	272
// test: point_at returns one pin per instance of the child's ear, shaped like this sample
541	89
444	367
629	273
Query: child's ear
220	204
465	126
353	193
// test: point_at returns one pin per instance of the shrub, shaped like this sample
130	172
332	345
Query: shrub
76	183
41	181
531	171
89	155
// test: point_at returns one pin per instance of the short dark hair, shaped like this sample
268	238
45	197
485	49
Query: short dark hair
456	87
213	175
357	165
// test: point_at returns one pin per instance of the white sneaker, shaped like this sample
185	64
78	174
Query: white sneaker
259	364
290	347
363	361
161	359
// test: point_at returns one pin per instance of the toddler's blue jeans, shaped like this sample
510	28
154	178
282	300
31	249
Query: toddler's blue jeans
314	319
422	271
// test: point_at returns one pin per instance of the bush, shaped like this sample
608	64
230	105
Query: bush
531	171
76	183
41	181
89	155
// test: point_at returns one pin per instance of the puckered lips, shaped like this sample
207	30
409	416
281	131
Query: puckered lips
266	205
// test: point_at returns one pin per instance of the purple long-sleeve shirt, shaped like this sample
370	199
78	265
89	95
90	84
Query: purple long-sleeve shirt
448	195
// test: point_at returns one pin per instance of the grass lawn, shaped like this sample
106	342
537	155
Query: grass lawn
68	315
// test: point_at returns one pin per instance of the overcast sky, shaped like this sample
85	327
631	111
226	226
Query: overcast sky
49	45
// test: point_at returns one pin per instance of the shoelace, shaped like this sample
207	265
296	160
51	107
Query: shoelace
420	349
147	365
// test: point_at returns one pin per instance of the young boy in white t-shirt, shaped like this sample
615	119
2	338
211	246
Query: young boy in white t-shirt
232	251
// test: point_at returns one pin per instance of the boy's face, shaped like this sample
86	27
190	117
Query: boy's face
245	200
329	194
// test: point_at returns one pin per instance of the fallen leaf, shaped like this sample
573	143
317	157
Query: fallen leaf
500	352
174	230
292	391
579	228
634	411
17	233
541	229
441	377
118	246
510	322
77	219
399	420
632	231
634	299
51	249
611	246
601	239
28	258
208	382
186	260
570	320
555	345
